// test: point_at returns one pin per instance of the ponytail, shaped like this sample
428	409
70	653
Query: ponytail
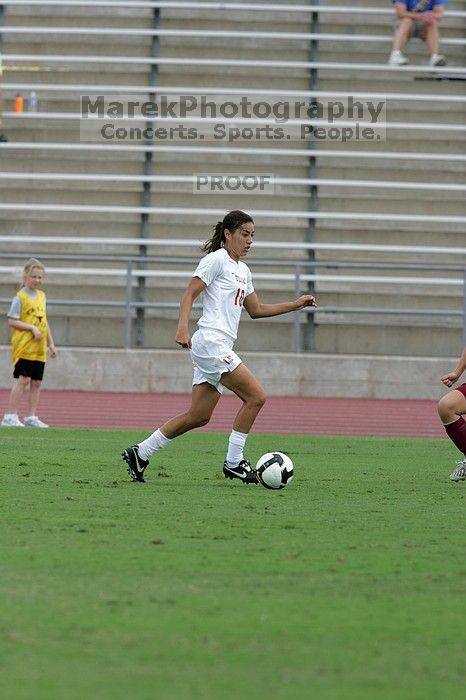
232	221
217	240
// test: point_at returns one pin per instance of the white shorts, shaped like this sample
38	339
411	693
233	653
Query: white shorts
212	355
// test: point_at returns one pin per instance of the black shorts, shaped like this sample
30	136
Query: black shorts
29	368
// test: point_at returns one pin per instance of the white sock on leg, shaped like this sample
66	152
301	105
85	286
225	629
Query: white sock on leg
154	442
236	444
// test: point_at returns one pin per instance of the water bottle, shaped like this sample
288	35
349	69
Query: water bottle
18	103
32	102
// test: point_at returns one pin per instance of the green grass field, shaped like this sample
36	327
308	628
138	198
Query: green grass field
348	585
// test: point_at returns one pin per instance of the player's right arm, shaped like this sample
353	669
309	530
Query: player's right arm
194	288
402	11
452	377
23	326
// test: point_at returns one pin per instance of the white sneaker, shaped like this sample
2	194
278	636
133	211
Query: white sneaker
397	59
34	422
11	420
437	60
460	472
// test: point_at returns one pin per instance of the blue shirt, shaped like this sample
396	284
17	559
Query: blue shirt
421	5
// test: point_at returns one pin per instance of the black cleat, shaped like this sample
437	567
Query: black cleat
136	464
243	471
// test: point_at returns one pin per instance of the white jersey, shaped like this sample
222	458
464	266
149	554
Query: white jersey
228	283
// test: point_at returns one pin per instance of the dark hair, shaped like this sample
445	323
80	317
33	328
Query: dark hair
232	221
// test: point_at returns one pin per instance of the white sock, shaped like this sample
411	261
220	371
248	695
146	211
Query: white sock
236	444
154	442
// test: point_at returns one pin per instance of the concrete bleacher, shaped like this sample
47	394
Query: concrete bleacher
346	67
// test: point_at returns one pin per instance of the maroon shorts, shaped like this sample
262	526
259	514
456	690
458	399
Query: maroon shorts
462	388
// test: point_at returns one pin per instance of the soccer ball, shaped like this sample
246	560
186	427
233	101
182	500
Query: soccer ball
274	470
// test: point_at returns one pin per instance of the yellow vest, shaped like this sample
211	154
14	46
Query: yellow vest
24	345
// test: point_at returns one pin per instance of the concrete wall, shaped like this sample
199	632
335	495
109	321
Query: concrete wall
282	374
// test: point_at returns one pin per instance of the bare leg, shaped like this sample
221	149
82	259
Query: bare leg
34	392
451	409
451	406
243	383
19	387
431	37
402	34
204	398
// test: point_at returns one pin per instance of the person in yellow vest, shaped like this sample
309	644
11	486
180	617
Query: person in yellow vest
31	335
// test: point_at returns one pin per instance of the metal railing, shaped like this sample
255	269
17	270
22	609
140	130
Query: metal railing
209	6
11	176
209	34
226	63
227	150
220	212
119	89
130	270
299	274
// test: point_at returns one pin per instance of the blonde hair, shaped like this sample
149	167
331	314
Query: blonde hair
30	265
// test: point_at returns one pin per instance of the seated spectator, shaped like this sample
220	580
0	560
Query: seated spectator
417	19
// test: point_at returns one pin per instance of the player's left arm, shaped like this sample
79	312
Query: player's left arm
258	310
50	342
437	11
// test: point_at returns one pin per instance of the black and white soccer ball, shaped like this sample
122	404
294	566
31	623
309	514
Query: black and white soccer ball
274	470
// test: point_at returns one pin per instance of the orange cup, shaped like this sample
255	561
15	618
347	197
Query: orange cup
18	103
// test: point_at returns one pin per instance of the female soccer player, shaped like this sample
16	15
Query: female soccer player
226	284
451	409
31	335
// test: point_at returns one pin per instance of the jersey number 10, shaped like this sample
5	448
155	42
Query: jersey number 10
239	298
